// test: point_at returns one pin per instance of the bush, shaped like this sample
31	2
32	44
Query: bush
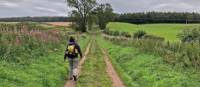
139	34
190	35
116	33
152	37
126	34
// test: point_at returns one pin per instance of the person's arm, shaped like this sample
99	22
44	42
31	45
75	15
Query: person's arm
65	56
79	51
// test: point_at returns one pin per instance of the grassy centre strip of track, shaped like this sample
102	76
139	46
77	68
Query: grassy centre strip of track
93	73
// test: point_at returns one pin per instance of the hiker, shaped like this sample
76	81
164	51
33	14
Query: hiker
72	51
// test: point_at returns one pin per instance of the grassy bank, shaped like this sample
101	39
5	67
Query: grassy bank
46	71
168	31
138	69
33	59
93	73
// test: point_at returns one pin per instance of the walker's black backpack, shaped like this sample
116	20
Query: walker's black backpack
72	50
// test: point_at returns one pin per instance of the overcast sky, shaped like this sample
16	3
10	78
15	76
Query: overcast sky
16	8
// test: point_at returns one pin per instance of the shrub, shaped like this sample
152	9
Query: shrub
152	37
190	35
126	34
139	34
116	33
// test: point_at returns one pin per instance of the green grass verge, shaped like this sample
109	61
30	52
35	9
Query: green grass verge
168	31
46	71
94	70
145	70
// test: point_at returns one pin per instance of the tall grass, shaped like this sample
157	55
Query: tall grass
26	44
33	57
140	69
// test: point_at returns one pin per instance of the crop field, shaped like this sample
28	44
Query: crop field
63	24
168	31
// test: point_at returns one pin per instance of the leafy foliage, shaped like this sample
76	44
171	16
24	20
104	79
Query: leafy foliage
83	9
104	13
190	35
139	34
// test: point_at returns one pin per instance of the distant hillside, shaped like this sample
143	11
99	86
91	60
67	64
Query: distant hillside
36	19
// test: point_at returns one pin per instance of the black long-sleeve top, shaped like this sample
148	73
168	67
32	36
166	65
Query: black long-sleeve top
77	47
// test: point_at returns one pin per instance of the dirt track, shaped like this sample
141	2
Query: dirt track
116	81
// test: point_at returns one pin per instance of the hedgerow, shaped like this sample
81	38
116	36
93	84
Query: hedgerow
176	53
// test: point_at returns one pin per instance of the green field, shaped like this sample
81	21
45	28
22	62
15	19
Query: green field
168	31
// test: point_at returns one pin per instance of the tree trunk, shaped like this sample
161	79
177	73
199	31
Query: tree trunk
83	28
83	25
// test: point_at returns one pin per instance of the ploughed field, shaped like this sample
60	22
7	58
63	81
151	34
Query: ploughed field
63	24
168	31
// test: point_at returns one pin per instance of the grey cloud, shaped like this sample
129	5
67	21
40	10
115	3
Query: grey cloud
9	8
154	5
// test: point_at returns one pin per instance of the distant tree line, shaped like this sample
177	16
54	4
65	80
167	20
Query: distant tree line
103	14
36	19
158	17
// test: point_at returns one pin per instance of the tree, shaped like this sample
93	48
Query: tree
91	21
104	14
83	8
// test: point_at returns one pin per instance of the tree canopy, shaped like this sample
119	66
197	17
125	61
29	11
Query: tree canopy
104	14
81	12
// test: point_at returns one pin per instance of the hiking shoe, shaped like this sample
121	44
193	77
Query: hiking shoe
70	78
75	78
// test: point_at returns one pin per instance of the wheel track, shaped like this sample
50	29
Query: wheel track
116	80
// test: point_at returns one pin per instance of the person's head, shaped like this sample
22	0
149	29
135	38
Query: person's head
71	39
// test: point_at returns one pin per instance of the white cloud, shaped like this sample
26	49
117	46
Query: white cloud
46	9
10	8
179	7
9	4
